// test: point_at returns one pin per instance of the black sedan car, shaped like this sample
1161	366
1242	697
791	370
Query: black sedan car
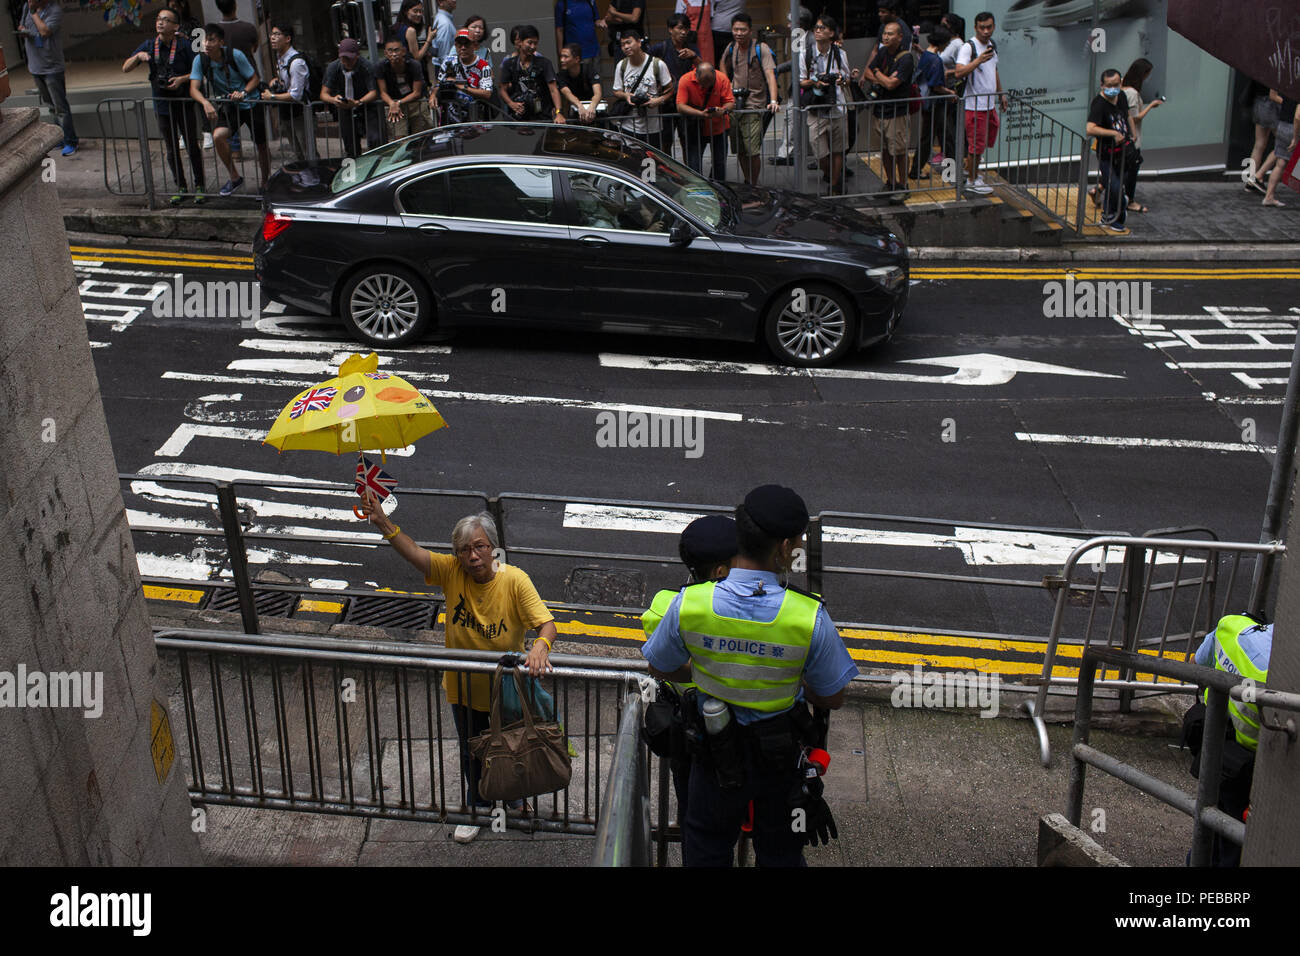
577	228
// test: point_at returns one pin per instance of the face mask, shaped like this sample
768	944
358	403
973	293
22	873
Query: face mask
1110	92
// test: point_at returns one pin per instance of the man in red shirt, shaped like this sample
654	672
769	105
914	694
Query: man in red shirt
705	102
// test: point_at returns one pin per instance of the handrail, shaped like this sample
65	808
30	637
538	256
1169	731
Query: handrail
623	826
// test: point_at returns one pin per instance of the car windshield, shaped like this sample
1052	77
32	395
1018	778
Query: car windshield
386	159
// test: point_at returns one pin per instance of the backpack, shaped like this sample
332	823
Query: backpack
808	97
314	75
959	86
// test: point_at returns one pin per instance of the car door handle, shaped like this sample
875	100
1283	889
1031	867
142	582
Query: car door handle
434	227
594	240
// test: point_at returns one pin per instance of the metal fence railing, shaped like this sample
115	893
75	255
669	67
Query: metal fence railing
1156	597
911	149
623	834
364	728
1207	818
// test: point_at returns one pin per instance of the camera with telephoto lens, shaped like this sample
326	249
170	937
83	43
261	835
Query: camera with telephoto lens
447	90
640	99
827	78
741	96
532	105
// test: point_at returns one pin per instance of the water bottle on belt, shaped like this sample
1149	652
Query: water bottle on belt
724	743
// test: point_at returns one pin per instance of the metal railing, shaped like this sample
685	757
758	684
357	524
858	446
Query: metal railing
1033	158
1207	818
623	834
1156	612
364	728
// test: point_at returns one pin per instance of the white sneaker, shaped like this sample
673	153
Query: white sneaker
465	833
207	140
182	142
979	186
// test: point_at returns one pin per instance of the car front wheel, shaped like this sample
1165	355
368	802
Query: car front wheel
810	325
386	305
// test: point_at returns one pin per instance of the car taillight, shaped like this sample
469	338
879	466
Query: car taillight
273	225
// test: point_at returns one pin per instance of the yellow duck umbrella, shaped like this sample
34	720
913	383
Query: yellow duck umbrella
363	409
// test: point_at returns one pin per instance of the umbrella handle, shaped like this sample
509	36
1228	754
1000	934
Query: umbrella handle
358	512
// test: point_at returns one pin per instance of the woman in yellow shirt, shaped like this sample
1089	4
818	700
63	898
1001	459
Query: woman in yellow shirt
489	607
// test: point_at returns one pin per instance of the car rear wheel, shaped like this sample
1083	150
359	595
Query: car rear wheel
386	305
810	325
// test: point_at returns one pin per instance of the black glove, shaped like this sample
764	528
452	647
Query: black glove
819	824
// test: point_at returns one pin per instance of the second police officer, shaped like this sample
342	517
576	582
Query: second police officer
759	653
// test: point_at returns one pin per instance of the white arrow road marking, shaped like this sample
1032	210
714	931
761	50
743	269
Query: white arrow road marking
978	546
979	368
1125	442
186	431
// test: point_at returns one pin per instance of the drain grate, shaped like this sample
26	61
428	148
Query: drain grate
391	612
268	603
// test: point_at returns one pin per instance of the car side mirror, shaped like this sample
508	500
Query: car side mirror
681	234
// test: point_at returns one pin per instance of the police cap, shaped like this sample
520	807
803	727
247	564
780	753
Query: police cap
778	510
709	540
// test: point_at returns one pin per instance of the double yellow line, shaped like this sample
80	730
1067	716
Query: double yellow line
1102	273
151	257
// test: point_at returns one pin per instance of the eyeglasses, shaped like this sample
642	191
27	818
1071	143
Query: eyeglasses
468	549
821	26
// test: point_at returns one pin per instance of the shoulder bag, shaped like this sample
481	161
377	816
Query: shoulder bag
523	759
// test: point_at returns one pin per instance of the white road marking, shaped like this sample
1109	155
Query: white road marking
337	348
978	546
1228	365
186	431
977	369
1257	383
328	584
315	367
1126	442
580	403
198	566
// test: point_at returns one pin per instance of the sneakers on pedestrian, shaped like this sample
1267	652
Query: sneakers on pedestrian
200	197
936	159
465	833
231	186
979	186
69	149
207	140
1113	229
176	199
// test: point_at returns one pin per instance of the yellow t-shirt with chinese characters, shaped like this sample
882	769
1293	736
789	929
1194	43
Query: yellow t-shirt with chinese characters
484	617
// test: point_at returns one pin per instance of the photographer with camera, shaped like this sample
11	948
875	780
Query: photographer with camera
349	87
227	76
891	84
750	68
291	87
465	84
579	85
681	57
642	84
823	77
528	87
169	58
705	99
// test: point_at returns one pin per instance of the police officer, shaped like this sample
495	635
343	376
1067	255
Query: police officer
757	651
1240	645
706	547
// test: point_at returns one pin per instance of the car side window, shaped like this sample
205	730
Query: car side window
603	202
506	193
426	196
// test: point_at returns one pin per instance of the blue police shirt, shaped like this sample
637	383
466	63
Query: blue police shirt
1256	641
828	667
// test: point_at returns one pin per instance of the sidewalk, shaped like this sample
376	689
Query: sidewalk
1189	219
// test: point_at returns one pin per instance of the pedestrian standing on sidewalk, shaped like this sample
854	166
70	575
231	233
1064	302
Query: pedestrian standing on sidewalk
977	64
290	88
39	28
1131	86
349	87
490	606
170	59
1108	122
1288	130
890	75
1266	108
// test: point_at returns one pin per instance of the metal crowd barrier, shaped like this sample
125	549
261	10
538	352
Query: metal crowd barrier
1034	156
1207	818
623	833
363	728
1155	615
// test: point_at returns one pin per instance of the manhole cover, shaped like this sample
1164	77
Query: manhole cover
268	603
392	612
607	586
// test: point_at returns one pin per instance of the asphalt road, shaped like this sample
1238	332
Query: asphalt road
984	409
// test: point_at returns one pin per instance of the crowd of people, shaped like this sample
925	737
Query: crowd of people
711	86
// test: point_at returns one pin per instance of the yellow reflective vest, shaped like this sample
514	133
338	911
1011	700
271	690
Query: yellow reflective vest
1230	657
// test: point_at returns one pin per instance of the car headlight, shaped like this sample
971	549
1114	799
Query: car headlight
890	277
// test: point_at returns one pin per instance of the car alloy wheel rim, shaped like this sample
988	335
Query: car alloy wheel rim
814	333
385	306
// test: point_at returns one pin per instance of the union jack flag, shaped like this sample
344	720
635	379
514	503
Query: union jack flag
370	477
377	375
318	399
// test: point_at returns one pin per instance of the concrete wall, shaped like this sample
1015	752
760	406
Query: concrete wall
73	789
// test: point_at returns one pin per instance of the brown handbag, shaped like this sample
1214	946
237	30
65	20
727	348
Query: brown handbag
526	758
